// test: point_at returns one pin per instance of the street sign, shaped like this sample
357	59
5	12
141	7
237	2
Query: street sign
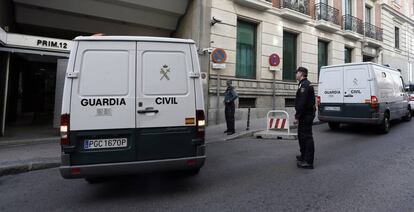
274	59
219	56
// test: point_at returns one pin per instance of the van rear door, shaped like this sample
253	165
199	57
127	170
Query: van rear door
357	92
331	85
102	119
357	84
165	90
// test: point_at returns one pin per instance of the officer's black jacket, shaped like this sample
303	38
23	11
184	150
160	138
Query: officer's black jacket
230	95
305	99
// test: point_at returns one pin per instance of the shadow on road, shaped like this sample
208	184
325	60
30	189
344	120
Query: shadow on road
142	186
363	129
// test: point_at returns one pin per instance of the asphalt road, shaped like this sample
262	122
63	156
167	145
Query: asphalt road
355	170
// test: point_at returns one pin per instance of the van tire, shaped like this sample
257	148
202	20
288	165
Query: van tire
334	125
94	180
408	116
384	127
192	172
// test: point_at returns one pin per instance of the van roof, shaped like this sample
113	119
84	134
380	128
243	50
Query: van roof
133	38
356	64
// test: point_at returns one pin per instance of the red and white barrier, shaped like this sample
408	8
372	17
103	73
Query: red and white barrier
278	123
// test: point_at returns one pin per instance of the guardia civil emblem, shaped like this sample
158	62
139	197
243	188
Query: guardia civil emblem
164	72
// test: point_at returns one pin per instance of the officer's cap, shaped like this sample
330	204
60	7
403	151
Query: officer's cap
303	70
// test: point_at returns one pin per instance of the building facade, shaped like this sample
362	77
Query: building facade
309	33
398	24
35	40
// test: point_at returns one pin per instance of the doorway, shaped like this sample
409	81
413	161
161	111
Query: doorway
31	96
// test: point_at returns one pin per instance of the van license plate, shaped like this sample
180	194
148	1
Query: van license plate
106	143
333	108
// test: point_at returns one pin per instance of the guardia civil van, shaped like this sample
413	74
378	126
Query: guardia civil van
131	105
361	93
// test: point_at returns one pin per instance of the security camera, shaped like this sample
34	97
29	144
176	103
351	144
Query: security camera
207	50
215	21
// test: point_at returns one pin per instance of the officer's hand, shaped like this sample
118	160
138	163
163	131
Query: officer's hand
296	122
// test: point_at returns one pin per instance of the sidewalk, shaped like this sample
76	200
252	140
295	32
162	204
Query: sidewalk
28	155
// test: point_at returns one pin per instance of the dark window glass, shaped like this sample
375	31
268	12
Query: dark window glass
246	50
289	102
322	54
247	102
368	14
348	55
289	55
397	37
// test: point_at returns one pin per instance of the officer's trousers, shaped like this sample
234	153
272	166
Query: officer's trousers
229	113
306	143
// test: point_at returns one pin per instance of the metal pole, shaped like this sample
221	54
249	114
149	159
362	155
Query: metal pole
208	88
218	97
248	119
3	115
274	91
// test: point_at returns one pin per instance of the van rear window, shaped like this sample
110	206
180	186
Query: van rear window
104	72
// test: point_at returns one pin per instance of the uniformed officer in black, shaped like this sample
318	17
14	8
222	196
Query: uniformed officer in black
305	113
229	97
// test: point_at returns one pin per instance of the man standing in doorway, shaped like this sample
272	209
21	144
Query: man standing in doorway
305	113
229	97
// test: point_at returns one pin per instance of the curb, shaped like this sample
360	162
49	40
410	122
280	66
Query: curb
22	142
27	166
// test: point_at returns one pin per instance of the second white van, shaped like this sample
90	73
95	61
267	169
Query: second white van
361	93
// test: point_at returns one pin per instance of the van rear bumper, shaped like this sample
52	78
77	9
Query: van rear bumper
123	168
350	120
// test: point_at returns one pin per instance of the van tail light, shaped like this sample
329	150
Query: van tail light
374	102
64	129
200	123
318	101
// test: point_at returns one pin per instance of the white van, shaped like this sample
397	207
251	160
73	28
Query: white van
361	93
132	104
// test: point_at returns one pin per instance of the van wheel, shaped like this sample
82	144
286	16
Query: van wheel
94	180
334	125
408	116
385	125
192	172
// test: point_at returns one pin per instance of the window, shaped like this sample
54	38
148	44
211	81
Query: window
247	102
101	69
348	55
246	50
368	14
289	55
322	54
348	7
397	37
289	102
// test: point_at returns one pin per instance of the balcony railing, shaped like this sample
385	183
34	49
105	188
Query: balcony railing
353	24
327	13
301	6
373	32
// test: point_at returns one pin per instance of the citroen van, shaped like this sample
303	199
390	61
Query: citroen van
131	105
361	93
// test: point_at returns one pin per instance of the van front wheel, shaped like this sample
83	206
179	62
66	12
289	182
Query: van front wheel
334	125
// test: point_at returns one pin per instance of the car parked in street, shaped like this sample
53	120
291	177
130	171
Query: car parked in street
366	93
410	91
